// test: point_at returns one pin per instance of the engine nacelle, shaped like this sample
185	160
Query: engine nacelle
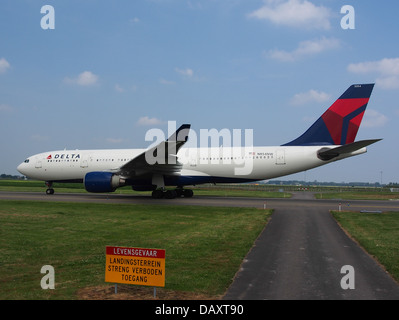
98	182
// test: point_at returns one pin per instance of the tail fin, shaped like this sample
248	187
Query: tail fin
340	123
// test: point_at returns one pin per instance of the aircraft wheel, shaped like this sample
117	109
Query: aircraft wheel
157	194
49	185
179	192
170	194
188	193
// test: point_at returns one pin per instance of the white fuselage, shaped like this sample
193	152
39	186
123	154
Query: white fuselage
217	164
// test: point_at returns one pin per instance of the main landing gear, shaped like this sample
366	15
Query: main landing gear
171	194
50	189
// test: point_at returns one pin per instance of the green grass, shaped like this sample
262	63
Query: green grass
39	186
204	245
377	233
240	193
359	195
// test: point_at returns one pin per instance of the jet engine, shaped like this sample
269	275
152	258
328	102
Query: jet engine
98	181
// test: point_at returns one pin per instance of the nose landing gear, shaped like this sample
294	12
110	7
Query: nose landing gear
49	185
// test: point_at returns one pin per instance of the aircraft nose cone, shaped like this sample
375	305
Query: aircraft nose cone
20	168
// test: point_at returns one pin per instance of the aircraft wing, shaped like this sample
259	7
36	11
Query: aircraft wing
161	159
328	154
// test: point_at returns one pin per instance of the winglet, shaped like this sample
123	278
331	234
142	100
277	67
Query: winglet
162	155
181	134
340	123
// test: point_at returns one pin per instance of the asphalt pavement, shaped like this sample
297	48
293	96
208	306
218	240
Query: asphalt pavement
304	254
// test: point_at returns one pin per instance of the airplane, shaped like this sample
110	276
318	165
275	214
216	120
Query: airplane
167	164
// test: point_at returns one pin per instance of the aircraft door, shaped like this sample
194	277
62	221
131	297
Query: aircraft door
193	160
84	163
280	156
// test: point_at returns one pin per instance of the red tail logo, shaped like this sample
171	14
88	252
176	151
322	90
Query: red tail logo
343	119
340	123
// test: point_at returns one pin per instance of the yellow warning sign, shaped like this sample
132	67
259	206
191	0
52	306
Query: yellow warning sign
138	266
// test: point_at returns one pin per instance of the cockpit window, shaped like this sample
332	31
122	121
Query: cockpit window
26	161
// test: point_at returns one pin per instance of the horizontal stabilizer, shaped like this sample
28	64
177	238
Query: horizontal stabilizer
328	154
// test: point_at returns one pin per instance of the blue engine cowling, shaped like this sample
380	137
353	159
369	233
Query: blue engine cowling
98	182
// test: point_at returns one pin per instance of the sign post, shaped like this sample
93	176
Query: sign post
139	266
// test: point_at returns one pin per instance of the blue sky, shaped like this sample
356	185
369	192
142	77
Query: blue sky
111	70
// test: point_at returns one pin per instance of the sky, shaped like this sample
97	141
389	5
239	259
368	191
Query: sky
100	74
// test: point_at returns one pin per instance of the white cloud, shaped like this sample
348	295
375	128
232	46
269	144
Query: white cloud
4	65
308	97
294	13
86	78
387	70
185	72
147	121
373	118
385	67
304	49
5	108
166	82
119	88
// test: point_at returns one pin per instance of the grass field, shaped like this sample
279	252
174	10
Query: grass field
204	246
360	195
377	233
243	190
39	186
